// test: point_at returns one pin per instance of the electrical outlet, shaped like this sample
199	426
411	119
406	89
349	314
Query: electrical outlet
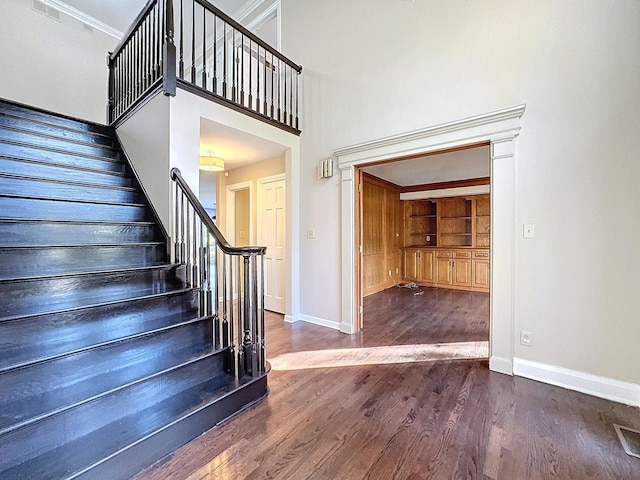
311	234
525	338
396	271
389	272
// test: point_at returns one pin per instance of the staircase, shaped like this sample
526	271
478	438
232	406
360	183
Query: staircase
106	364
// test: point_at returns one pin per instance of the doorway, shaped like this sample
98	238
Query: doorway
425	236
500	128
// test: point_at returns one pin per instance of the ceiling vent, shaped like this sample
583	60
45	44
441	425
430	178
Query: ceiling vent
45	9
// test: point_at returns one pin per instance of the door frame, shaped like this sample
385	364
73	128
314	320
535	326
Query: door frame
498	128
231	210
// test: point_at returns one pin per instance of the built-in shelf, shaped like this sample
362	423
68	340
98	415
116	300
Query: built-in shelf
450	222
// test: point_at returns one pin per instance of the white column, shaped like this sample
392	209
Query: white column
503	230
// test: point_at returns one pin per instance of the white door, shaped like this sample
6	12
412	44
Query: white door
271	234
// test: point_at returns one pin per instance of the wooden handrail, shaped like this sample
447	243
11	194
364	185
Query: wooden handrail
225	246
230	282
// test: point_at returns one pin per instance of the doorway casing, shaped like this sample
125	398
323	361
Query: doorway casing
498	128
231	210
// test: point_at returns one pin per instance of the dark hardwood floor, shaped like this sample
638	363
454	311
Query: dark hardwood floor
436	419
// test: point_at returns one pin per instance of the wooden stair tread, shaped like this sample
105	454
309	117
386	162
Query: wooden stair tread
34	113
15	120
75	183
49	166
62	383
101	440
61	292
76	330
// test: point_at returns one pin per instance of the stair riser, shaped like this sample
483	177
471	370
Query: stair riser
133	460
39	188
22	341
39	296
42	233
27	112
29	393
24	444
29	208
40	261
37	127
21	137
62	173
59	159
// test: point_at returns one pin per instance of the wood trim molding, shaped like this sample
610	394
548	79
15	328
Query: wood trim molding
477	130
469	182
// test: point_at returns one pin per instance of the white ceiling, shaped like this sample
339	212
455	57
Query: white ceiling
120	14
235	147
460	165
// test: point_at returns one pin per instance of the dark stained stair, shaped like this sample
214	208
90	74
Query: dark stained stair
106	362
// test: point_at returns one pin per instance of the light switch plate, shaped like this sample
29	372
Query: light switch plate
311	234
528	230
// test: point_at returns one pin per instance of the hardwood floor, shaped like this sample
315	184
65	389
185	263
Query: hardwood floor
436	419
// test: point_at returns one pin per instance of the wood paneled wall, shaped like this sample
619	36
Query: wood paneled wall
381	239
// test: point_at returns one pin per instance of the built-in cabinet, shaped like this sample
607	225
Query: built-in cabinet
419	265
446	242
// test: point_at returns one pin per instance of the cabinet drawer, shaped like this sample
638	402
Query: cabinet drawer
462	254
481	254
443	253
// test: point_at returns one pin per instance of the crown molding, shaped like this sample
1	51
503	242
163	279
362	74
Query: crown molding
83	17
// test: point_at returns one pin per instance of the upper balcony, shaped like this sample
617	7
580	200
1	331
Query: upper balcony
191	44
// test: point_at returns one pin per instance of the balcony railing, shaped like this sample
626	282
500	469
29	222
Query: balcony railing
192	45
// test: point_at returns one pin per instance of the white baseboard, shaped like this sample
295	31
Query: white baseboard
320	321
500	365
292	318
346	328
603	387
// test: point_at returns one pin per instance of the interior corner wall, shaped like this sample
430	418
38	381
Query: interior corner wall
145	139
575	65
55	65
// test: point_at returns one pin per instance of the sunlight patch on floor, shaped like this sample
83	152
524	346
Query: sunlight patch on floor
353	357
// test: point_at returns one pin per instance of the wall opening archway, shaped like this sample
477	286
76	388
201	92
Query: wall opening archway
500	129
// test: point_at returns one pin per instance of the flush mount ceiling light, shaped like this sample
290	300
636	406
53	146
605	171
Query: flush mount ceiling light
211	163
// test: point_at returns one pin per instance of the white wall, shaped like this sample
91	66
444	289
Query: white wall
374	68
58	66
145	138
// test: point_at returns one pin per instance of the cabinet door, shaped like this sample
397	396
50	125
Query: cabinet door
462	272
442	270
411	267
480	274
426	266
